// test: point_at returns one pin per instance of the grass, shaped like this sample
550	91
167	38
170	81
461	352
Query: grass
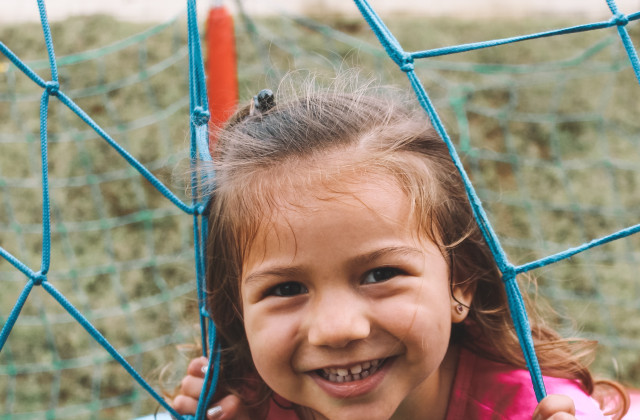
553	150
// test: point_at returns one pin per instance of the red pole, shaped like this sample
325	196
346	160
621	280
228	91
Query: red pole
222	79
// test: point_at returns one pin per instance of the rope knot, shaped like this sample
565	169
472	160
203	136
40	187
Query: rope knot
205	313
620	19
200	116
407	63
52	87
508	273
39	278
199	209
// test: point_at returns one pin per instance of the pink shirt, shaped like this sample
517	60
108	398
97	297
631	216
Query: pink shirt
486	390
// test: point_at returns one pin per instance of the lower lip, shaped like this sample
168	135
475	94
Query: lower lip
354	388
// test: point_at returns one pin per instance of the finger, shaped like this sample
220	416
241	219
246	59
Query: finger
228	408
191	386
184	404
555	405
196	366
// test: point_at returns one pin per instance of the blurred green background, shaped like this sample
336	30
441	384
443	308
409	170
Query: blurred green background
548	129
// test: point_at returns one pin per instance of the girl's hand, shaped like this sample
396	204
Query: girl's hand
555	407
186	402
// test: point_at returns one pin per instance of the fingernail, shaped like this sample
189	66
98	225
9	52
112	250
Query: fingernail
204	369
214	412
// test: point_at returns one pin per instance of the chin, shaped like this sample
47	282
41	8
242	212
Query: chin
354	412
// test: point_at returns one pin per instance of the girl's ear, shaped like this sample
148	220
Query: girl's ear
461	298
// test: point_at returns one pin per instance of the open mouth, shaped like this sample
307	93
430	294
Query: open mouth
351	373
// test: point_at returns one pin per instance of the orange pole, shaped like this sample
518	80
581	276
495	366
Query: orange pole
222	78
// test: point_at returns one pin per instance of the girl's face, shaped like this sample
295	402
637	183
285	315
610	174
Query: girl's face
346	310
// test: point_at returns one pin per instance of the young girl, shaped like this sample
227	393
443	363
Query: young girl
348	279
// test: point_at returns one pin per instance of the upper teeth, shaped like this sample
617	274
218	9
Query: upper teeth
351	370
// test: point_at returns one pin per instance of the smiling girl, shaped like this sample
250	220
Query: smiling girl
348	278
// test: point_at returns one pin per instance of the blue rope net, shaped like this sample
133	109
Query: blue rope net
43	278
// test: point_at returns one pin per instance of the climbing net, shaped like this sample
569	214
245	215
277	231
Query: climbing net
505	140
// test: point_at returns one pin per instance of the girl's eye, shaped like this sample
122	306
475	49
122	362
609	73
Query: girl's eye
381	274
290	288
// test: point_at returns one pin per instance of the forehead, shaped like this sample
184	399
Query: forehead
378	195
311	185
301	188
345	212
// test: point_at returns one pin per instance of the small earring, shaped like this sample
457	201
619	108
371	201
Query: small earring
460	308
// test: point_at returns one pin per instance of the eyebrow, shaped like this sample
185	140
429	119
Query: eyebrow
392	251
284	272
364	259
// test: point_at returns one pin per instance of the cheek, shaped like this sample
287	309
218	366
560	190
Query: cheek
418	308
271	343
429	324
421	323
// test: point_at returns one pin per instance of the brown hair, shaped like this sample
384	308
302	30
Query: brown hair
257	150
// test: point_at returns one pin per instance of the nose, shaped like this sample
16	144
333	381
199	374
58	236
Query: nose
337	320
